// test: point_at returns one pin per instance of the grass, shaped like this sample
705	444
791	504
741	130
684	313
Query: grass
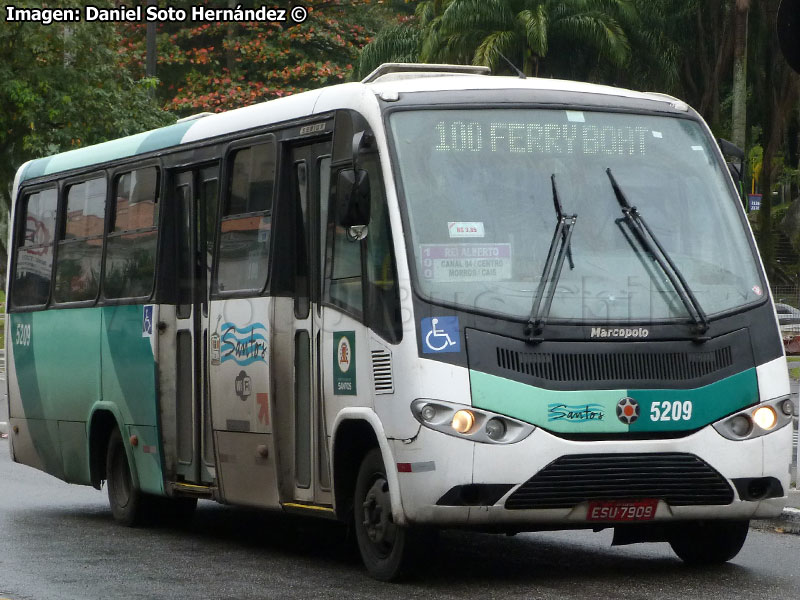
794	367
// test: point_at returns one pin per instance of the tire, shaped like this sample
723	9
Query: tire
127	502
704	543
384	546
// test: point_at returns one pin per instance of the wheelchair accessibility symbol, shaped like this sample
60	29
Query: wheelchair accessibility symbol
440	334
147	321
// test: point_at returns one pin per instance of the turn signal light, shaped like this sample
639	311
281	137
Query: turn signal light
463	421
765	417
787	407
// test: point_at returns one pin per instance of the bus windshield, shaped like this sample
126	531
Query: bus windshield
478	193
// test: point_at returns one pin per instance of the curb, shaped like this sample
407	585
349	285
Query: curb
788	522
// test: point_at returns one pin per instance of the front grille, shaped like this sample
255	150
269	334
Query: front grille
614	366
678	479
610	364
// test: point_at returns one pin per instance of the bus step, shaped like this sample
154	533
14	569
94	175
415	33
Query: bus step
309	509
192	490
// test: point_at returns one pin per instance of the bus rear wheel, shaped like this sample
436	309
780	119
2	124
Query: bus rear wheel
123	496
384	545
708	542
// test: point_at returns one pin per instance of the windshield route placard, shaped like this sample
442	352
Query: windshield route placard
447	263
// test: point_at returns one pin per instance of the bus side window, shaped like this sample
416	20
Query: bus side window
80	246
383	294
246	226
131	245
35	249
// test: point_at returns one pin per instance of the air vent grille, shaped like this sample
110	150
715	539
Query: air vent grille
382	372
633	366
678	479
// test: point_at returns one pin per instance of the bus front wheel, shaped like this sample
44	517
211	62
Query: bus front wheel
384	545
708	542
125	499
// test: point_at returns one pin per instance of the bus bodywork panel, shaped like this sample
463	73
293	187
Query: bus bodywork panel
242	406
129	146
64	368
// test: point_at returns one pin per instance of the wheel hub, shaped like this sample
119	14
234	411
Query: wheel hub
378	514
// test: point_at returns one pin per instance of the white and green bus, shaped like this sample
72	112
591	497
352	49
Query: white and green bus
431	299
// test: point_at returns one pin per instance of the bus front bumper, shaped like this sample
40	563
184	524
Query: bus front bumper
435	469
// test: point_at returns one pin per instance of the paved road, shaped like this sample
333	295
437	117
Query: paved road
58	542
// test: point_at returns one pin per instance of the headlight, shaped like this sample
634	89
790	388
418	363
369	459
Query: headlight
756	421
741	425
463	421
469	423
495	428
765	417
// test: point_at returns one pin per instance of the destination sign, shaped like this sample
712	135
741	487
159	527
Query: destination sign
542	138
466	262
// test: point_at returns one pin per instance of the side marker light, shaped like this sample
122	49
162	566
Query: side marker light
787	407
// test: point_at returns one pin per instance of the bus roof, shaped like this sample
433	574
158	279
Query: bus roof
303	104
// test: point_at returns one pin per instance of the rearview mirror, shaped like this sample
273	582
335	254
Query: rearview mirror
352	198
731	150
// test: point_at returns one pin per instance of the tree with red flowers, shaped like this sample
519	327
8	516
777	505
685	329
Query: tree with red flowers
216	66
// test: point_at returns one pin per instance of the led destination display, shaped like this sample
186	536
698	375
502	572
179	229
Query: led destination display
542	138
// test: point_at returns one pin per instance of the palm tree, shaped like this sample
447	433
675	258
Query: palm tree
396	43
483	31
402	42
480	31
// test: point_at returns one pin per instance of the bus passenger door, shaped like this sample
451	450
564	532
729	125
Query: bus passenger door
304	463
186	419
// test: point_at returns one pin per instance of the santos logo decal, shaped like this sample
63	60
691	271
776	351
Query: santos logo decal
576	414
243	345
344	363
619	332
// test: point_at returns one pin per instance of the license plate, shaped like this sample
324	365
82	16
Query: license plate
622	510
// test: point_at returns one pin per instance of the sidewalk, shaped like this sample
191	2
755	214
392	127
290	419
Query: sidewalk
788	522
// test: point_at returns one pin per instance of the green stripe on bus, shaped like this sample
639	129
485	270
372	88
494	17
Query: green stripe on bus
68	360
132	145
707	404
590	411
595	411
44	434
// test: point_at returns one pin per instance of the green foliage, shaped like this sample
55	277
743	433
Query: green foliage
61	87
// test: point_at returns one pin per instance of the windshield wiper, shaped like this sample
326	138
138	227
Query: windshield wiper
552	269
650	242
